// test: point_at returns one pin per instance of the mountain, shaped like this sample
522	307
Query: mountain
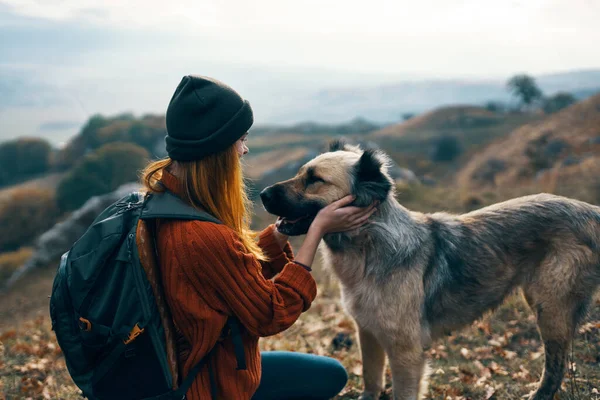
386	103
56	107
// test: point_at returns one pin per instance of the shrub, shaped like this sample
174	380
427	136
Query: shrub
558	102
22	158
26	214
495	106
99	172
99	131
447	148
487	172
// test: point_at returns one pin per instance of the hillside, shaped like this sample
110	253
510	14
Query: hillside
453	117
413	143
49	181
552	151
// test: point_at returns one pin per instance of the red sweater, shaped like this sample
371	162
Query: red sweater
208	275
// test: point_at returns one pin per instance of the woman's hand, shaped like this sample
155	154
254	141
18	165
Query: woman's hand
339	217
280	237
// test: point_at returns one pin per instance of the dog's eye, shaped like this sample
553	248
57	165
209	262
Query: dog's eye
314	179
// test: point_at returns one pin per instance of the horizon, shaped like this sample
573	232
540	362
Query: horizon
63	62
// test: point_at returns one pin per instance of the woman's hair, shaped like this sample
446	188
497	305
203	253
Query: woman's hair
216	185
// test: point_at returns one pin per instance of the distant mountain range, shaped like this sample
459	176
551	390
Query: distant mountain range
386	103
33	105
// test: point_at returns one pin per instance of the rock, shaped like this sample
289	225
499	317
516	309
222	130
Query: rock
342	341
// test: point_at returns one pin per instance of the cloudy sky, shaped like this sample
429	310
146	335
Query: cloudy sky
107	55
425	37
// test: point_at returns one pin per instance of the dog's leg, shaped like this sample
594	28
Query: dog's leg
373	359
407	366
557	327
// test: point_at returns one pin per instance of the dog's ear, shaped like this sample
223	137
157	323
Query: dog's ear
338	144
343	144
370	180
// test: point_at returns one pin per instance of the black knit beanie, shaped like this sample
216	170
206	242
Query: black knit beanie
204	117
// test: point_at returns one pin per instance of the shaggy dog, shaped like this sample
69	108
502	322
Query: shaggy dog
408	278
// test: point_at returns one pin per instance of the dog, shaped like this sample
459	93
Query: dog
408	278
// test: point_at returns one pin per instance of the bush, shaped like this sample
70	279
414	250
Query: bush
22	158
558	102
495	106
447	148
146	132
100	172
486	174
26	214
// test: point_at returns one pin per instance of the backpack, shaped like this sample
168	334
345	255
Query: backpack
108	312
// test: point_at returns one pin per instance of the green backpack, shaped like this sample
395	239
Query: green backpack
104	310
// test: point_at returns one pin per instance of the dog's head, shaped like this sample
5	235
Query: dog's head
344	170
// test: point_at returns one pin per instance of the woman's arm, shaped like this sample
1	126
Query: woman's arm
213	255
336	217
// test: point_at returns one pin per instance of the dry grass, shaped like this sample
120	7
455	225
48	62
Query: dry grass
497	357
9	262
258	165
577	126
49	182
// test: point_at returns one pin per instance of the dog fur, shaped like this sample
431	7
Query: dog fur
408	278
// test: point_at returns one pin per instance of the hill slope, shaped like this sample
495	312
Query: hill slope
412	143
564	144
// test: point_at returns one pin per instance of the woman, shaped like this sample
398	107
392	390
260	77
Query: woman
213	271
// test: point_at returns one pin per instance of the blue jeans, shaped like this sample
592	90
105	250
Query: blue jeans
288	375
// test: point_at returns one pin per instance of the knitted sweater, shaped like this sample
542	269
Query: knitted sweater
207	276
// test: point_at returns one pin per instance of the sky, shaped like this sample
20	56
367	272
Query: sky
104	55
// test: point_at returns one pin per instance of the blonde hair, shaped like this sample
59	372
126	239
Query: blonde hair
216	185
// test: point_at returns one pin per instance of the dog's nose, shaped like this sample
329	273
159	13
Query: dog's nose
266	195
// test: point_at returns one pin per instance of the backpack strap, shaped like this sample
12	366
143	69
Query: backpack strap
179	394
168	205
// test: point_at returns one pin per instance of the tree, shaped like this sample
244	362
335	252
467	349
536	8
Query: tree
558	102
524	87
22	158
99	172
